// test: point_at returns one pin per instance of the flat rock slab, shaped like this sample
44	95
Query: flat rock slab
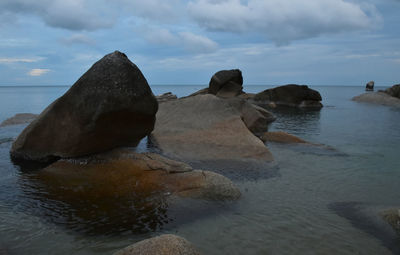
123	172
380	98
19	118
160	245
205	127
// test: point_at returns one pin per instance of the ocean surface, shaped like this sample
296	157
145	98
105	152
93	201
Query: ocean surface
319	201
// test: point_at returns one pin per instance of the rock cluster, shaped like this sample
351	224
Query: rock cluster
388	97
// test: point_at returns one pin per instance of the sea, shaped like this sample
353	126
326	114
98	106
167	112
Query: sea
320	200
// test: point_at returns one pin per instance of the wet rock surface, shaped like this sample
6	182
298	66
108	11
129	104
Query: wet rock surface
161	245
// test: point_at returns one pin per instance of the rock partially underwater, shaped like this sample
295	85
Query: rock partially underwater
161	245
122	172
110	106
19	118
388	97
291	95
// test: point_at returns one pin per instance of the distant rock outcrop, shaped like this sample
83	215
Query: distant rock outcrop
205	127
160	245
370	86
289	95
19	118
226	83
388	97
166	97
110	106
394	91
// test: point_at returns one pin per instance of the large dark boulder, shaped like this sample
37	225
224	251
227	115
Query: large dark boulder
226	83
289	95
110	106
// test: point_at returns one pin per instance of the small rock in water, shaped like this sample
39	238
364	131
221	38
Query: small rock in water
370	86
161	245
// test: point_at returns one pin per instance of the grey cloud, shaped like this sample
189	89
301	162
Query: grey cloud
78	39
72	15
283	21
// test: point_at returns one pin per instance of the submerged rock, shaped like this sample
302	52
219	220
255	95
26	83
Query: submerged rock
289	95
380	98
205	127
226	83
121	172
370	86
160	245
281	137
110	106
19	118
166	97
392	216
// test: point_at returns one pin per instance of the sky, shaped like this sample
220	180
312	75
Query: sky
273	42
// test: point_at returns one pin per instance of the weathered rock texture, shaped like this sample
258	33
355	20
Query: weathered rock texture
121	172
19	118
380	98
110	106
160	245
289	95
205	127
226	83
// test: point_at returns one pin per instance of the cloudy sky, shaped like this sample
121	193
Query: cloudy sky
316	42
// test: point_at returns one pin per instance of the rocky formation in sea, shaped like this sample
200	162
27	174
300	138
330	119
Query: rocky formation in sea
161	245
19	118
291	95
388	97
205	127
110	106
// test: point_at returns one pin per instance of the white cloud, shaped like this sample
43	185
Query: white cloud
78	39
191	42
197	43
19	60
38	72
283	21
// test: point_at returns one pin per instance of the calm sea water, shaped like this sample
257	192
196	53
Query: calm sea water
290	213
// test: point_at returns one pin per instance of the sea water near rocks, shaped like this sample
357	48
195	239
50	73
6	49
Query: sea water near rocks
289	213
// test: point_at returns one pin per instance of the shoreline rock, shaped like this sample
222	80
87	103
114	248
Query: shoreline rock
166	244
226	83
110	106
166	97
